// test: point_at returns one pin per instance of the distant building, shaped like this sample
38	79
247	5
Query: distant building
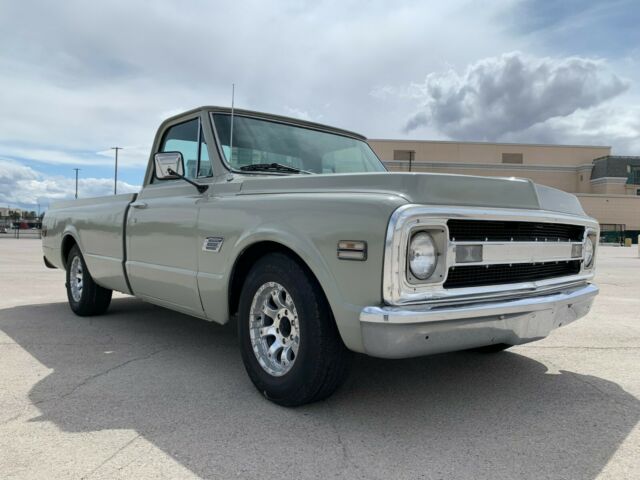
6	211
616	175
608	186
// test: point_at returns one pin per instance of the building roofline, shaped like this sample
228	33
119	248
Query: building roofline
618	157
608	195
551	145
491	166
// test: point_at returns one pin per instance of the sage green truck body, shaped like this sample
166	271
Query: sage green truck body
152	244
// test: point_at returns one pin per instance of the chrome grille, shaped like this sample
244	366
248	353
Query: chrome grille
506	245
484	275
486	252
498	230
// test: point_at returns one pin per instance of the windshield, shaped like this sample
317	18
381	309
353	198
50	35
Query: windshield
265	142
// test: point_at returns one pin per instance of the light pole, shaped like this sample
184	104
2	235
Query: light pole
115	182
77	170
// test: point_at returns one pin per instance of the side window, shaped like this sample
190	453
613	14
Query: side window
205	169
183	138
347	160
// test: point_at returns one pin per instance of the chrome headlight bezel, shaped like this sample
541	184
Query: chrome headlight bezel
399	283
590	235
589	252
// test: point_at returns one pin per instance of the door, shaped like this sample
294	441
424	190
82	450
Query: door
162	246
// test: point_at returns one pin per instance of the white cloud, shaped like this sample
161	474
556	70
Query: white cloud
86	76
603	125
301	114
24	186
128	157
511	93
81	77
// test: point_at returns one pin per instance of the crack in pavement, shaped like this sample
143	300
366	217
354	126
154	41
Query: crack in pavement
347	459
110	457
100	374
14	417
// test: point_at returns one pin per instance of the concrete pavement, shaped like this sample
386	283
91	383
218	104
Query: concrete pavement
143	392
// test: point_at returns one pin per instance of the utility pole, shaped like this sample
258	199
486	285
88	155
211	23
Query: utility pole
233	95
77	170
115	182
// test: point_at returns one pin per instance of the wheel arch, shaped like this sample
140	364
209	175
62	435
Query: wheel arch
247	258
68	242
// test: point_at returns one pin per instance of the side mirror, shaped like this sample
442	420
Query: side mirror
166	161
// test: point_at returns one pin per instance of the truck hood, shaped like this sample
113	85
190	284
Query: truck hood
426	188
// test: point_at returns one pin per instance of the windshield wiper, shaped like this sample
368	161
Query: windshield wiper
272	167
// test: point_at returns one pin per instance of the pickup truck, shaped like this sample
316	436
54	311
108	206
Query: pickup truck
297	232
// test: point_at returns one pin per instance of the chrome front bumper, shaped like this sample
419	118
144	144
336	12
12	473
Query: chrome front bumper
400	332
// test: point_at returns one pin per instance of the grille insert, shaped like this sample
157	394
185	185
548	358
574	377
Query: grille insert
482	275
497	230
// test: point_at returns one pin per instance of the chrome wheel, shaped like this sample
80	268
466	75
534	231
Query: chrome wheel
273	328
76	279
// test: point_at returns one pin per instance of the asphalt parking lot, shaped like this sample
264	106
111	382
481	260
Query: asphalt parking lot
143	392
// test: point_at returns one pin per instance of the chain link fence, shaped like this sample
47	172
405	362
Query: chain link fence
20	229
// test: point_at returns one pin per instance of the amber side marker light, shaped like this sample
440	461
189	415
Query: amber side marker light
352	250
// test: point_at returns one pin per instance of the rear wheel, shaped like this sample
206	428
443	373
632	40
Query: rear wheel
85	296
289	341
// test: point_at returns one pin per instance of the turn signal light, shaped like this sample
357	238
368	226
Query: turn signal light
352	250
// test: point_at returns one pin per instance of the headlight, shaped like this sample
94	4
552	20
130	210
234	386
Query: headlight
588	252
423	256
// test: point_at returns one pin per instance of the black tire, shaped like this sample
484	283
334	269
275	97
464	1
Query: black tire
495	348
94	299
322	360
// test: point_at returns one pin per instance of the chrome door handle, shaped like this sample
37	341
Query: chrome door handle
139	205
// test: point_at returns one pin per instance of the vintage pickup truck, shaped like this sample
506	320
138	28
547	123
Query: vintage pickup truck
296	231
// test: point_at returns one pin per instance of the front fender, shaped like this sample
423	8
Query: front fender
311	227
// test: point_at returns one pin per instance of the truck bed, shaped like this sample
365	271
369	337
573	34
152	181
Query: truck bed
97	225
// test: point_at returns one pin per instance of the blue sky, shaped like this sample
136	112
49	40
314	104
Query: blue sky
580	27
81	77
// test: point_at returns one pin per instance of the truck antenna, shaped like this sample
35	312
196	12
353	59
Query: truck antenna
233	92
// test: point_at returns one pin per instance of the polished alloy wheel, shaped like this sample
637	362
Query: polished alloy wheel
273	328
76	279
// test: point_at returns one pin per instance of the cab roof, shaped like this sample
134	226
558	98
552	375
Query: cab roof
268	116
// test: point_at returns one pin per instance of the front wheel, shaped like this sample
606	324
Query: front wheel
289	341
85	296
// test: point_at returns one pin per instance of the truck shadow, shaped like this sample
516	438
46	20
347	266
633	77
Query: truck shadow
179	382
